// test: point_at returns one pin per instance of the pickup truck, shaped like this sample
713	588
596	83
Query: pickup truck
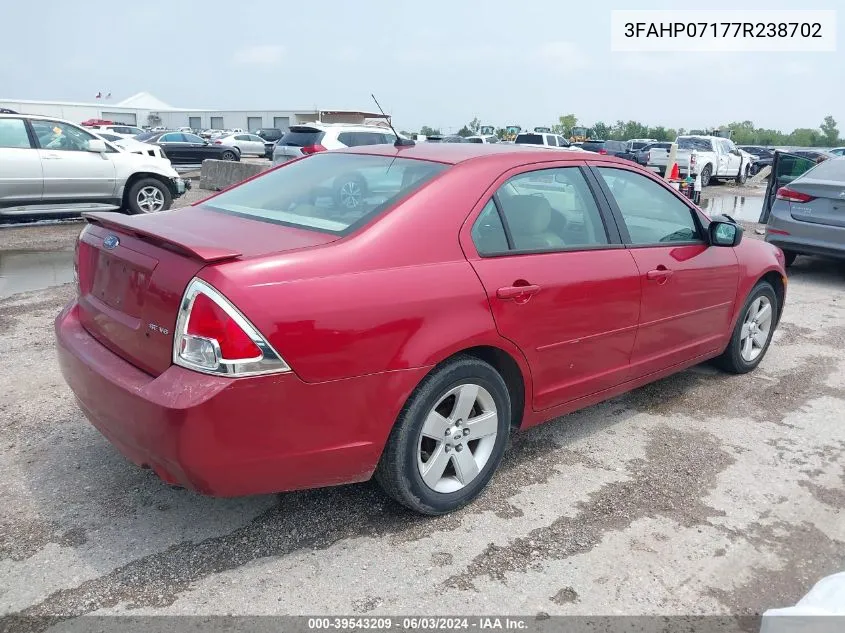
713	157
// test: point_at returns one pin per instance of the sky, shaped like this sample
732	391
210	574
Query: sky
437	63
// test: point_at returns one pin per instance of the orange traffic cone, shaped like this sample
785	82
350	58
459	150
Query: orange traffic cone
675	174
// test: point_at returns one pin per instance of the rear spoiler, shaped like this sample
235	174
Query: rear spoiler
166	229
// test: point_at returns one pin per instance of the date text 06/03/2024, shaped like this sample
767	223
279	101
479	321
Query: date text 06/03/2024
421	623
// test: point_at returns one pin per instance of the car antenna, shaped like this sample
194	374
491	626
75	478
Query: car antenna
400	142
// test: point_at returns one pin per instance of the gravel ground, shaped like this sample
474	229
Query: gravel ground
700	494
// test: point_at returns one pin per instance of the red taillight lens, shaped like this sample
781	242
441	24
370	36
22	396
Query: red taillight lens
602	151
785	193
313	149
208	320
218	142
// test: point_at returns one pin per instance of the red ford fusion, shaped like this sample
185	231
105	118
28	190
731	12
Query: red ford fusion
396	312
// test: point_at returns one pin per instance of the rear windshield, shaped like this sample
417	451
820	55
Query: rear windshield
301	137
832	169
474	139
593	146
690	142
639	144
529	139
328	192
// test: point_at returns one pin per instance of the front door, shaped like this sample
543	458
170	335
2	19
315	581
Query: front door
71	172
176	149
688	287
560	284
21	178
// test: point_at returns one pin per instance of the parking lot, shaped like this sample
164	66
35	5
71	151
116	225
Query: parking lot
702	493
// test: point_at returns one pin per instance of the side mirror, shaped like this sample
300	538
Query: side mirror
724	233
96	145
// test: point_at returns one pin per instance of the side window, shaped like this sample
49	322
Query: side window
55	135
347	138
13	134
652	214
242	137
551	209
551	139
488	234
387	139
171	138
192	138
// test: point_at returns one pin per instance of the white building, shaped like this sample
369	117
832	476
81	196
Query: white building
145	109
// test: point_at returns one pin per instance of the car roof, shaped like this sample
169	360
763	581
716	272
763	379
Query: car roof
454	153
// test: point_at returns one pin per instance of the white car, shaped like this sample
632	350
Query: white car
131	145
123	131
246	144
544	139
49	166
483	139
710	157
309	138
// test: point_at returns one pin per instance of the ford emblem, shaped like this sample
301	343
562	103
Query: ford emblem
111	242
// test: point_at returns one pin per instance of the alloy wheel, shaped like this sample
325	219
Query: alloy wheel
150	199
756	326
351	194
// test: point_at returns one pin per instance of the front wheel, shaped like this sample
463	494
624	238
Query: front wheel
349	192
753	331
149	195
449	438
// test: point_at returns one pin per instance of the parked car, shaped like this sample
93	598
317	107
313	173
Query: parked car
710	157
50	166
634	145
838	151
123	131
302	140
609	148
483	139
545	139
762	156
642	155
804	207
246	144
817	155
289	342
188	149
271	134
453	138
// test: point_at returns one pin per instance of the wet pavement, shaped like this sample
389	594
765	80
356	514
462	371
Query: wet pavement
745	208
27	270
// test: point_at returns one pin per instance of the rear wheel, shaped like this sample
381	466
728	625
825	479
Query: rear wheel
753	332
789	256
449	438
149	195
349	192
705	175
229	156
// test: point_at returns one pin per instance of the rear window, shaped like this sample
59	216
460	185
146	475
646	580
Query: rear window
328	192
828	170
639	144
593	146
302	137
529	139
615	146
474	139
690	142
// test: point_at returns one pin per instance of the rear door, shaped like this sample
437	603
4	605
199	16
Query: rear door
72	173
560	284
688	287
21	177
786	167
177	149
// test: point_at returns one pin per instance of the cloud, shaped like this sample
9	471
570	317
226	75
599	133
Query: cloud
562	56
264	55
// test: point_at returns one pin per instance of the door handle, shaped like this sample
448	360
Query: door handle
50	156
517	292
661	274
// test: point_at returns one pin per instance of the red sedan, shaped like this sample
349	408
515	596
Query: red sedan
396	311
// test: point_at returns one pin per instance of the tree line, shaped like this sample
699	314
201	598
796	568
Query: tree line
744	132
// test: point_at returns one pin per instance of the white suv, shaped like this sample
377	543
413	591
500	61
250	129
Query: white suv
49	166
309	138
123	131
544	139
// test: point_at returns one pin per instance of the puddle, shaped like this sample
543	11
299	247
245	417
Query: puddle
738	207
24	271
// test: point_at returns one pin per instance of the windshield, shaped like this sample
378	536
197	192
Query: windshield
334	193
691	142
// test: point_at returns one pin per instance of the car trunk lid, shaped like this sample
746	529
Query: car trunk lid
828	203
133	270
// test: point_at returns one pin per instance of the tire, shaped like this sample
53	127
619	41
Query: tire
227	155
789	257
735	358
148	195
705	175
427	474
742	176
349	191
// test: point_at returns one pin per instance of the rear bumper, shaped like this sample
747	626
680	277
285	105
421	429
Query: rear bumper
806	247
233	437
807	238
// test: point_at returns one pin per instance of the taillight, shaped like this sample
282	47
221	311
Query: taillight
313	149
785	193
602	151
213	337
218	142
